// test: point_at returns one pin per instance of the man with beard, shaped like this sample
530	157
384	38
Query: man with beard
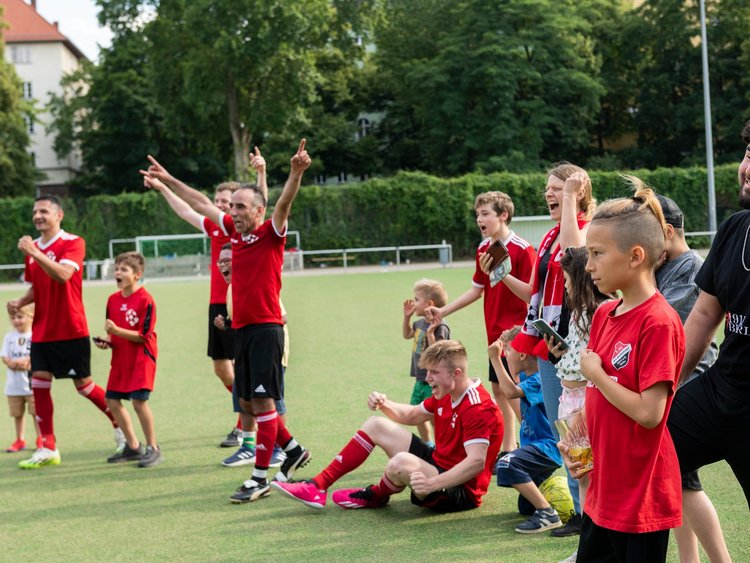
710	414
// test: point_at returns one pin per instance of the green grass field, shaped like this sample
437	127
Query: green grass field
345	342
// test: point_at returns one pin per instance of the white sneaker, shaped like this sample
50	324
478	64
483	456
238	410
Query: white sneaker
571	559
120	440
40	458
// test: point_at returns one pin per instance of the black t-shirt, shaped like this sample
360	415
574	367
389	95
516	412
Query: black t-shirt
726	275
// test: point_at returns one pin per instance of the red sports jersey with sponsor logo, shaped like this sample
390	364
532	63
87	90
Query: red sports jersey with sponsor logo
218	237
473	419
133	363
502	308
59	312
635	484
257	260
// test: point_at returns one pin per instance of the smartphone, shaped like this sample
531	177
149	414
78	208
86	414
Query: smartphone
98	340
543	327
499	253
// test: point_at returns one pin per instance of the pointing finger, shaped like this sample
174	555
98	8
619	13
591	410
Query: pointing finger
301	146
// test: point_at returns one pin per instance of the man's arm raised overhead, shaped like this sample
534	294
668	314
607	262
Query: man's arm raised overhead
300	162
181	209
195	199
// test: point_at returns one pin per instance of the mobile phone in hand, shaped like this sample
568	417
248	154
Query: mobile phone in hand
98	340
543	327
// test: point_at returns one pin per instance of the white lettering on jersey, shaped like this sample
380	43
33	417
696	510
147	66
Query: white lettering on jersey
737	324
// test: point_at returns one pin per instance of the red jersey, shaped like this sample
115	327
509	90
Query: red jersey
59	313
218	237
133	363
257	259
473	419
502	308
635	485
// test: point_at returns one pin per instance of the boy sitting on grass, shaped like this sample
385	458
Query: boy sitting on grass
538	457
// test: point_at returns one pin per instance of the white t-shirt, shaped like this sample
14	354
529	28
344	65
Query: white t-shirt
16	345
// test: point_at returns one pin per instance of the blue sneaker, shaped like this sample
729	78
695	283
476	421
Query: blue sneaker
243	456
278	457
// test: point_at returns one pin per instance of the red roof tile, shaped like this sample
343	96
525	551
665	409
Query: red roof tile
26	25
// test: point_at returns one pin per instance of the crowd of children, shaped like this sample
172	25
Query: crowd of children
612	279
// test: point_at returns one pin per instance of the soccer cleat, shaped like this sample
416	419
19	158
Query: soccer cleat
151	458
541	520
250	491
40	458
306	492
277	457
127	454
358	498
233	439
16	446
291	464
243	456
120	440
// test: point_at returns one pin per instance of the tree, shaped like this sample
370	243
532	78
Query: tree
17	172
491	85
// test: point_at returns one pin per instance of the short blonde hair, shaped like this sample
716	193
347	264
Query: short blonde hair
499	201
227	187
639	220
564	170
432	289
508	335
452	352
27	310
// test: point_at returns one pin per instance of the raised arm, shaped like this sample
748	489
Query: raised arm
504	380
259	165
195	199
182	209
459	303
397	412
570	234
300	162
700	327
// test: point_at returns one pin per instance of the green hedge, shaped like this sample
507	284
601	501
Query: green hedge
408	208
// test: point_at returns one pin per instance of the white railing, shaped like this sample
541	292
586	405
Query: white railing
445	252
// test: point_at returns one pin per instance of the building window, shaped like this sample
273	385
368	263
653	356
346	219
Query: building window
364	126
27	92
32	156
20	54
29	123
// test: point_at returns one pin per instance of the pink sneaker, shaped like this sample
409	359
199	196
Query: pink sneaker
358	498
305	492
16	446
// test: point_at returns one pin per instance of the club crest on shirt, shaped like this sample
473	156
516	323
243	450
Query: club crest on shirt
131	317
440	411
216	232
51	255
621	355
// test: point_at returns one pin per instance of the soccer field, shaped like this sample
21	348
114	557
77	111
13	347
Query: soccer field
345	341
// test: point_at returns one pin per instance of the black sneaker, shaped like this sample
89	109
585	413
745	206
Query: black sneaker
541	520
571	528
249	491
127	454
151	458
233	439
291	464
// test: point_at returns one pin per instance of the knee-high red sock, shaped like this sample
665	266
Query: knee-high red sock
45	408
267	430
283	437
96	395
386	487
352	456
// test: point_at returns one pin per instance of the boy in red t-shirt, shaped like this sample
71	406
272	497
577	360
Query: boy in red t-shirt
502	308
633	361
131	317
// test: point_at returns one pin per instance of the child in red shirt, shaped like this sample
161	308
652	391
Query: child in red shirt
632	363
131	316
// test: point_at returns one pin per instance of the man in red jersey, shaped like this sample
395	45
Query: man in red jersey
220	343
450	477
60	344
257	260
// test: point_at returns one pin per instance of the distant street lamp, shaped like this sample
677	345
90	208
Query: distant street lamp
707	114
